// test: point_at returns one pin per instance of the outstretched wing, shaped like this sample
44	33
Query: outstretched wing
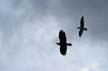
63	50
62	36
80	33
82	21
63	46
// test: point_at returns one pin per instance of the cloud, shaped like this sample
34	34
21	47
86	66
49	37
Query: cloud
29	32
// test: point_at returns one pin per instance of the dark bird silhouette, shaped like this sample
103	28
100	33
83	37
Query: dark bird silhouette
82	28
63	44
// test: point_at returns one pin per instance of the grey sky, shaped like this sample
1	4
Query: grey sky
29	32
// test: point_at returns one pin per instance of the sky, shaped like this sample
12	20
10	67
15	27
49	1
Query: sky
29	32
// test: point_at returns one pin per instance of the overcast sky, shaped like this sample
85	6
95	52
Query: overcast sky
29	32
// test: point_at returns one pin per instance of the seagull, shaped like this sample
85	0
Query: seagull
81	28
63	44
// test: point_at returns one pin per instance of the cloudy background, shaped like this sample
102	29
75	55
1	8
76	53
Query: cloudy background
29	32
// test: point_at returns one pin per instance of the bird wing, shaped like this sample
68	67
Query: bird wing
63	50
82	21
62	37
80	33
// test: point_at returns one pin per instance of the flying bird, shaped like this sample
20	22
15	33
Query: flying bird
81	28
63	44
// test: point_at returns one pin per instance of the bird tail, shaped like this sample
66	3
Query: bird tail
68	44
58	43
78	27
85	29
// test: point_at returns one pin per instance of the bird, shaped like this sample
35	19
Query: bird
81	28
63	44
